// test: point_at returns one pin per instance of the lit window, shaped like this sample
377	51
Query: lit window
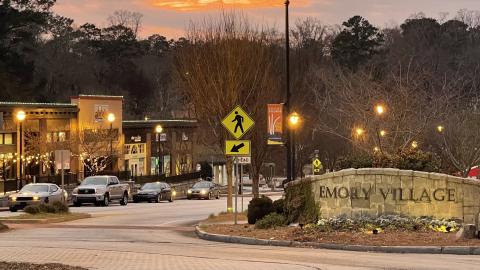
8	139
1	138
62	136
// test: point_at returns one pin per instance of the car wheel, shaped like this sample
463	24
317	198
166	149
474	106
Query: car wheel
189	198
77	204
106	200
218	195
13	209
124	200
209	197
159	198
171	198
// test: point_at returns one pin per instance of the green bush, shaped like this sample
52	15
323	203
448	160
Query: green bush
300	205
60	207
279	206
271	220
54	208
32	209
258	208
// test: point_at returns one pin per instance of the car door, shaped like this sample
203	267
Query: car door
114	188
54	194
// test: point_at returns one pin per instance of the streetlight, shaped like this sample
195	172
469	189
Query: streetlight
111	119
293	121
21	116
383	133
380	109
359	132
159	164
288	142
414	144
440	128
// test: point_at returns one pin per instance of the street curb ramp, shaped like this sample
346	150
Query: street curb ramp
455	250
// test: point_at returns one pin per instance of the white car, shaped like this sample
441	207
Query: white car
36	194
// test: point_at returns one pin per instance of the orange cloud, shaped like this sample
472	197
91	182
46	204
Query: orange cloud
193	5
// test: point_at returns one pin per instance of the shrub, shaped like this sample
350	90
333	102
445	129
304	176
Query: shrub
258	208
3	227
60	207
300	205
279	205
271	220
32	209
54	208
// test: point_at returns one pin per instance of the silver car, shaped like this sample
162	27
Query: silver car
36	194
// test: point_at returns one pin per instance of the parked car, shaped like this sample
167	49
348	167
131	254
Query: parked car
35	194
155	192
100	190
204	190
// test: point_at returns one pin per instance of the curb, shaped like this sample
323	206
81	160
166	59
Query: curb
384	249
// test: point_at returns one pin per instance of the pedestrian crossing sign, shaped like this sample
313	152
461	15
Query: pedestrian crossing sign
238	122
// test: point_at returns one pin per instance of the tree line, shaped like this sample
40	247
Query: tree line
425	72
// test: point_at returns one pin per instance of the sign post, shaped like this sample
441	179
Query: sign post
237	122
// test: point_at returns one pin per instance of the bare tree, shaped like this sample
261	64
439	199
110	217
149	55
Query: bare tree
228	62
129	19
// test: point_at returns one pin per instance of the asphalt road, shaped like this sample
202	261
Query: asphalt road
160	236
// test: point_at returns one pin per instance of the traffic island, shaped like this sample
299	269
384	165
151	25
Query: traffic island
45	213
389	242
31	266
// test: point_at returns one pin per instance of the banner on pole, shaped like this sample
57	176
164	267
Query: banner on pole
275	124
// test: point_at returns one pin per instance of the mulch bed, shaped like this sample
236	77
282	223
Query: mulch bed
387	238
31	266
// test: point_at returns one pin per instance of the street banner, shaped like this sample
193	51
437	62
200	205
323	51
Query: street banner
275	124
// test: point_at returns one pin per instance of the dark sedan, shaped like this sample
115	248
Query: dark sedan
155	192
204	190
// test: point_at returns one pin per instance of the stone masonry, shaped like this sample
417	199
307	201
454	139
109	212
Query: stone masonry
377	191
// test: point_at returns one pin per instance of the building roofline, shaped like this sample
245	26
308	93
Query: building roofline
96	97
37	104
166	122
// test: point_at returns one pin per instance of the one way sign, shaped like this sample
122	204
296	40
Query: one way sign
237	148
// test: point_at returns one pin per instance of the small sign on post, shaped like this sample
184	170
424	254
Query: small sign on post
317	166
238	122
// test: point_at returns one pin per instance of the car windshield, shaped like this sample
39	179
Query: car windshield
150	186
35	188
97	181
202	185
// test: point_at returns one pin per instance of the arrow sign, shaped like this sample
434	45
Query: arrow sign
235	148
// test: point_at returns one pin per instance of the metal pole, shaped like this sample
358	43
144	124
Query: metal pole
111	147
62	171
294	175
287	89
241	182
236	189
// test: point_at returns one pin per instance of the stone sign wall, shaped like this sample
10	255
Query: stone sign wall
357	192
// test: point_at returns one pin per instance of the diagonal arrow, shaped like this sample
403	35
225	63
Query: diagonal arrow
235	147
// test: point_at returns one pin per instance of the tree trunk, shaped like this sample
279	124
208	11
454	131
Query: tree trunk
255	184
229	166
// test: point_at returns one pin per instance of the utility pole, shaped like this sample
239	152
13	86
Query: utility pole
287	96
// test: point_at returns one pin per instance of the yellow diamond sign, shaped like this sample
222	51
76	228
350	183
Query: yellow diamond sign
238	122
237	148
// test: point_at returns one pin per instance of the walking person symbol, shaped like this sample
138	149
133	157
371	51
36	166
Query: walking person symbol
239	119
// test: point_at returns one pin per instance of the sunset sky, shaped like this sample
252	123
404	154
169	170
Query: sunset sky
171	17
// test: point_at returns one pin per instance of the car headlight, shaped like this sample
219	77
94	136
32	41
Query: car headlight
36	198
13	199
203	192
189	191
174	193
75	191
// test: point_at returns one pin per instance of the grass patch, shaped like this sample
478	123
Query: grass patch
226	217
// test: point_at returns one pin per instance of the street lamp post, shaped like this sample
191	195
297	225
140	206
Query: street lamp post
288	143
158	131
293	121
111	119
21	116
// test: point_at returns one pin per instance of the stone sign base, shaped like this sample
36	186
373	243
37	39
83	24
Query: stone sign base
378	191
